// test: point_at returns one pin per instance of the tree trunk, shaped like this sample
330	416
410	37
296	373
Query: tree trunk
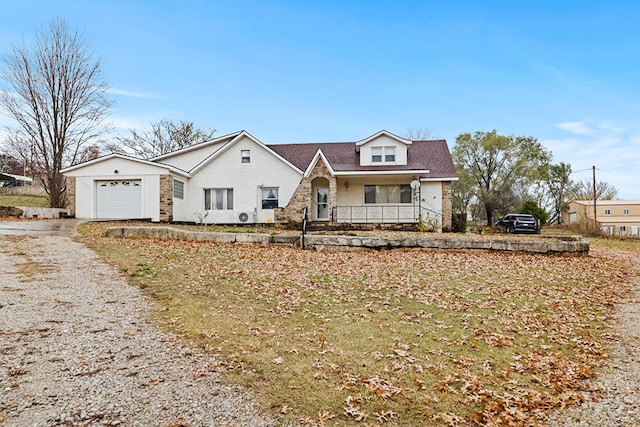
489	211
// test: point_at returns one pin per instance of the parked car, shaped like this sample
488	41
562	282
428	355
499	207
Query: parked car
518	223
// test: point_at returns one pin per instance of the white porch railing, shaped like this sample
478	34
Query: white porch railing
384	213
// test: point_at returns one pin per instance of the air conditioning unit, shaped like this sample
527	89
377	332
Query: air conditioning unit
243	217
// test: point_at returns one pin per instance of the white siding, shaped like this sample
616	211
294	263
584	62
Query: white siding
431	203
383	141
246	180
191	159
181	206
86	195
108	167
87	177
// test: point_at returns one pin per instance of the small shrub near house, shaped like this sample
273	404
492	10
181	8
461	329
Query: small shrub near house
459	223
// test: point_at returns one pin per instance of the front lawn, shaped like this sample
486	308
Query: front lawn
18	200
398	337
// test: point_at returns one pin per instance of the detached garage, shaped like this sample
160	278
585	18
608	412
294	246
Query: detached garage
121	187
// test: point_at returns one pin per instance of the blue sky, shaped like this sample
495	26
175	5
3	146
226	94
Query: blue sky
306	71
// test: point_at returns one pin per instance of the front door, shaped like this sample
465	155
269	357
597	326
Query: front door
322	203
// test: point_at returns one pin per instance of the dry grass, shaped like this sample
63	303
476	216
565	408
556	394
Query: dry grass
18	200
390	337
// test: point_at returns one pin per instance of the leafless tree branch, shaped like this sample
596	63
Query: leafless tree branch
54	90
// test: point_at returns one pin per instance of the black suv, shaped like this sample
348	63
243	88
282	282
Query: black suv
518	223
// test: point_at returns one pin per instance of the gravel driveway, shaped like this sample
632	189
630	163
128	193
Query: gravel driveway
76	349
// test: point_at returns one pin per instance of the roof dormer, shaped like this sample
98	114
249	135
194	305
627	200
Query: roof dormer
383	149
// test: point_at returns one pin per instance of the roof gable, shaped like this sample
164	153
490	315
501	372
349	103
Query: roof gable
110	157
190	157
319	157
239	136
194	147
382	133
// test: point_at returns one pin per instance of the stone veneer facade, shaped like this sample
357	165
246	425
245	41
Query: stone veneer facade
447	205
71	195
166	198
303	196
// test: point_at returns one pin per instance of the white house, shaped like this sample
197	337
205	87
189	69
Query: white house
238	179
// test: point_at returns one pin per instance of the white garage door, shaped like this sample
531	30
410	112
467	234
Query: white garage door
119	199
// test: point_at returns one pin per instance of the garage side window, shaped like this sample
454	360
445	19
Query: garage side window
218	199
178	189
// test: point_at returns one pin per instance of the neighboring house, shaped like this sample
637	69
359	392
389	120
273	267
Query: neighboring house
615	217
10	180
238	179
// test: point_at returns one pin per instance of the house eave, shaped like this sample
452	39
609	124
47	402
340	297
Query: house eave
198	146
376	135
446	178
383	172
132	159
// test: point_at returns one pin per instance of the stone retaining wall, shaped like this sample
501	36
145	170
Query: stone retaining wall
569	245
49	213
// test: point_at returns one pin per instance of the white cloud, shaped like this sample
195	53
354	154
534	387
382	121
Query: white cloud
132	94
578	128
122	123
611	148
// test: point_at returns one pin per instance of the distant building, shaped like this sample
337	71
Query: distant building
615	217
10	180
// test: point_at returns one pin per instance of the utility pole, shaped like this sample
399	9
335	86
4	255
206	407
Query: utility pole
595	213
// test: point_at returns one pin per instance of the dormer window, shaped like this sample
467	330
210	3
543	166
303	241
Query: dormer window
389	154
383	154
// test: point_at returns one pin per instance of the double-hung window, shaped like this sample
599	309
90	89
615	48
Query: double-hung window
383	154
269	197
393	194
218	199
245	155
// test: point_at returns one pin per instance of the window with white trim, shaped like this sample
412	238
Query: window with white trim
383	154
178	189
218	199
395	194
269	196
625	212
245	156
607	211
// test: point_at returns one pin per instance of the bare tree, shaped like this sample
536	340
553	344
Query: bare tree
162	137
9	164
583	190
18	146
54	90
419	134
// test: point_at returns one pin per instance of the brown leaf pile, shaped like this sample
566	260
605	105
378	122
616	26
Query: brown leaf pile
391	337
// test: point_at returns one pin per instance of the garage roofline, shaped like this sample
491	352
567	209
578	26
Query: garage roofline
172	169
